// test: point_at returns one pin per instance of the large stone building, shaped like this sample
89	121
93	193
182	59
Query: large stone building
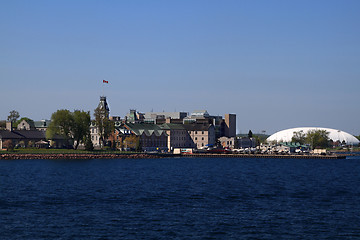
150	137
181	130
202	135
178	136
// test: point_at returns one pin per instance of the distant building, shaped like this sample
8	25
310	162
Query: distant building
202	135
134	117
26	125
104	105
42	125
178	136
245	142
333	134
200	114
228	142
230	123
94	131
31	137
9	135
151	136
163	117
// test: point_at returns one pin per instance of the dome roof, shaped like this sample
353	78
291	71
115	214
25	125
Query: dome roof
335	135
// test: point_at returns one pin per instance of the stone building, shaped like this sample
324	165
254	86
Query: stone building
202	135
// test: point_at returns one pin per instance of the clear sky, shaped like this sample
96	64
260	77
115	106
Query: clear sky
276	64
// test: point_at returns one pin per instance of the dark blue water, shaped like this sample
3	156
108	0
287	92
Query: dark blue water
180	198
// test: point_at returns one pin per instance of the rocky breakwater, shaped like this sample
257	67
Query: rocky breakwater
13	156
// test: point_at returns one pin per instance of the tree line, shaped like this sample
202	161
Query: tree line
73	127
315	138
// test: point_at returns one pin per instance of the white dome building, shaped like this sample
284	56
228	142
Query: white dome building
335	135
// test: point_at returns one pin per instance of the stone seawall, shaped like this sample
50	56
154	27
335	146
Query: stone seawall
229	155
10	156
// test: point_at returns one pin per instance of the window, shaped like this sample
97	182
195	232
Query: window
195	132
202	132
202	138
195	138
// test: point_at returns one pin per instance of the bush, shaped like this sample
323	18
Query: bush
8	144
88	144
31	144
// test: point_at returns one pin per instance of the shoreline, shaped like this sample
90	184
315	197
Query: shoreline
71	156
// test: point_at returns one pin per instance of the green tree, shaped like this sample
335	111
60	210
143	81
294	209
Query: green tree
88	143
13	116
2	124
318	138
250	134
132	142
62	123
22	144
81	126
103	123
31	144
299	137
8	144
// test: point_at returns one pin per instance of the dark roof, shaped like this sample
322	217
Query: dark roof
6	134
197	127
146	128
172	126
31	134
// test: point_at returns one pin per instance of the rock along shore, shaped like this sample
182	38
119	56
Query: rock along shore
14	156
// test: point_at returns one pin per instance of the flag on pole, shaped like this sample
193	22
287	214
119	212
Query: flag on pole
104	81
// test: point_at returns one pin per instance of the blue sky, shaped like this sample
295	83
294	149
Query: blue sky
276	64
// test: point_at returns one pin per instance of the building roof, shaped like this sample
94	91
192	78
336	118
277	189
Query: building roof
31	134
172	126
42	123
197	127
334	134
172	115
145	128
6	134
26	134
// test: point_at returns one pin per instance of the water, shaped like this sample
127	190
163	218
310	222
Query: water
180	198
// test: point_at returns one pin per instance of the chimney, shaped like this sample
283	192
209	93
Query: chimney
9	126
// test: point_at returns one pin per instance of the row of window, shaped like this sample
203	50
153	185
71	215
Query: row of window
201	138
178	138
202	132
